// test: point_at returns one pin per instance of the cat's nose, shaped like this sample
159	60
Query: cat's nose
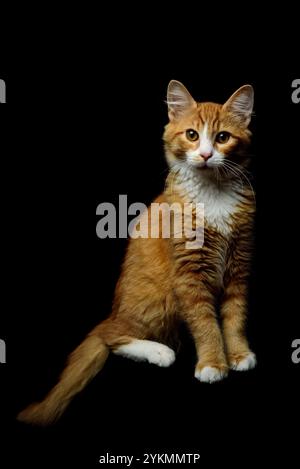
206	155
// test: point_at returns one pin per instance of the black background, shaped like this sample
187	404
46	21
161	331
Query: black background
78	131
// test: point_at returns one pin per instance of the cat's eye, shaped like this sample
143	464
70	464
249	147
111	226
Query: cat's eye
222	137
192	135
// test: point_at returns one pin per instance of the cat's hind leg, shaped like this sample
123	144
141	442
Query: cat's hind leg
147	350
129	340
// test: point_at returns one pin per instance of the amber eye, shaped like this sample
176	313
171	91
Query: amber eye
222	137
192	135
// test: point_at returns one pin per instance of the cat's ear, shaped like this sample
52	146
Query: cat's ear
240	104
179	100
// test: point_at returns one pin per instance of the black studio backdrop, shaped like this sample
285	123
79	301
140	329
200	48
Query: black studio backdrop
77	135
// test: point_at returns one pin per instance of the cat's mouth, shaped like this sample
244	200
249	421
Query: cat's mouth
202	165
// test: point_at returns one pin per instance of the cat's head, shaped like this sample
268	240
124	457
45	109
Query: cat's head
206	136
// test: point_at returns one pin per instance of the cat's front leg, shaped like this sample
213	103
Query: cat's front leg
199	313
233	312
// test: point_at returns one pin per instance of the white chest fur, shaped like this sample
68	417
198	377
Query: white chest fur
220	200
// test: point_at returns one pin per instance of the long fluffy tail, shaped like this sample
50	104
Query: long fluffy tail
83	364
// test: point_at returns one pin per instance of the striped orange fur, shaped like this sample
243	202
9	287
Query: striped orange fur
162	282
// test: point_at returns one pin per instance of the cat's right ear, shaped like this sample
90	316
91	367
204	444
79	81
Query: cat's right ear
179	100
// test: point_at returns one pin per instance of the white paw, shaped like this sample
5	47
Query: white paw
161	355
247	363
147	350
209	374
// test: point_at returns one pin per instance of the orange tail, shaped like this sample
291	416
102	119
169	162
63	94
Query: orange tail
83	364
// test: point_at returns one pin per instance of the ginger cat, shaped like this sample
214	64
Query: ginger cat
162	282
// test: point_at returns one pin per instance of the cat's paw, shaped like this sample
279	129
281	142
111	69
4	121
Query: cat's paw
243	363
161	355
210	374
147	350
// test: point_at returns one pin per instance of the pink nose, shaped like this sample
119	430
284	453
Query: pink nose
206	155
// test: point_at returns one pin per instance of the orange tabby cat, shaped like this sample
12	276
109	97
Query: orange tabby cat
162	282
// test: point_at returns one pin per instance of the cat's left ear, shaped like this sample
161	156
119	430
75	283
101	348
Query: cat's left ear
240	104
